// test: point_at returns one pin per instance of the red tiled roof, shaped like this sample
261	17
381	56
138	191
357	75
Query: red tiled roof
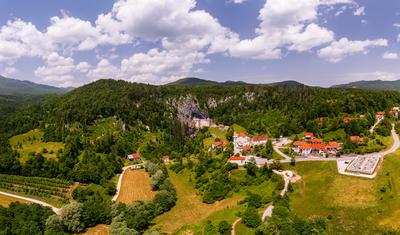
220	143
259	138
305	146
380	113
134	155
347	119
242	134
246	147
309	134
237	158
166	157
333	145
317	146
317	141
299	143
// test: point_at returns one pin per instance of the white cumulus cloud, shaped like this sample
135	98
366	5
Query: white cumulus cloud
338	50
390	56
291	25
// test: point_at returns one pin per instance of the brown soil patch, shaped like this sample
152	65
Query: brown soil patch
135	187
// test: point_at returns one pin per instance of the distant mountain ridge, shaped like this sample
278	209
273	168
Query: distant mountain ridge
372	85
192	81
10	86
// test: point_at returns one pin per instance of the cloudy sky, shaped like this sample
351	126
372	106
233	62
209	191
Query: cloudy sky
317	42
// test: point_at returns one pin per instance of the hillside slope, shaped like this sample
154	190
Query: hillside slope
12	86
372	85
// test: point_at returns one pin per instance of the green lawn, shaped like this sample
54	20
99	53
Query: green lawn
355	205
102	126
230	213
190	215
238	129
31	142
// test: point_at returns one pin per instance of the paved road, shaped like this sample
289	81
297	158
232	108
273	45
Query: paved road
287	176
55	209
233	229
396	143
376	123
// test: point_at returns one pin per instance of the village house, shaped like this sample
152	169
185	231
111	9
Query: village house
134	156
316	147
239	141
394	113
166	158
347	119
308	135
221	144
242	142
241	161
258	140
379	116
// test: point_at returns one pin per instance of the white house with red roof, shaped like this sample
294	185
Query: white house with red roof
134	156
239	141
258	140
166	158
240	160
315	146
379	115
308	135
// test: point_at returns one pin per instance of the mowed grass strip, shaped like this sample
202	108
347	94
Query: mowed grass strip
135	187
355	205
31	142
6	200
189	207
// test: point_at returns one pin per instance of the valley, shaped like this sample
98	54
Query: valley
134	163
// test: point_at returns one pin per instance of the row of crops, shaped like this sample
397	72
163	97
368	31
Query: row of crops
50	190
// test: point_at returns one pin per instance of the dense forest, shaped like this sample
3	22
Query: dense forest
279	110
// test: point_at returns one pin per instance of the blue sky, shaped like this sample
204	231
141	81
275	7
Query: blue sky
317	42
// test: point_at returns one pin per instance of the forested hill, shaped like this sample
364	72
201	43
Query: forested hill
191	81
372	85
277	110
16	87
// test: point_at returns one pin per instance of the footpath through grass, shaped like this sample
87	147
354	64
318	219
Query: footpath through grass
352	205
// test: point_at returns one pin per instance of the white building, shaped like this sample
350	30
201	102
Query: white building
200	123
239	141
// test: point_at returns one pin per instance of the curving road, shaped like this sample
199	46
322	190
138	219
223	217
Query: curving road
55	209
287	176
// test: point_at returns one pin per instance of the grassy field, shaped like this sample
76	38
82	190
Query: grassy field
189	208
355	205
190	215
135	187
216	133
6	200
31	142
238	129
102	126
100	229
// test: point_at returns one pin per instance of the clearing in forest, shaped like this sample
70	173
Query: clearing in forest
135	187
31	142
